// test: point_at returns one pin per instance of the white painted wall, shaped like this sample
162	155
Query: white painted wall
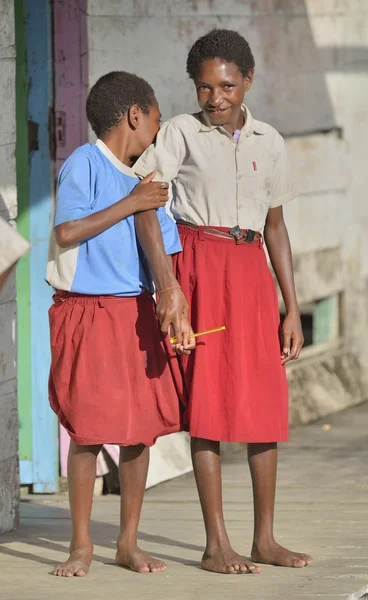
311	74
9	486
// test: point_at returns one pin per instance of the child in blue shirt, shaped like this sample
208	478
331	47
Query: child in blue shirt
110	378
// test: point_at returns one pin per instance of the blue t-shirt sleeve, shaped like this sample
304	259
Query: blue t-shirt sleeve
74	197
169	232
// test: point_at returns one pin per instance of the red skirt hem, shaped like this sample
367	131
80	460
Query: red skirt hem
86	441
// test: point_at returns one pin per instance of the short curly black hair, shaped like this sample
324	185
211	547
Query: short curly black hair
225	44
111	97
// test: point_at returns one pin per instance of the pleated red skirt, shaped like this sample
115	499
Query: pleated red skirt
110	378
236	384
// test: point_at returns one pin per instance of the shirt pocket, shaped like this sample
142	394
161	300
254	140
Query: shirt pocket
263	165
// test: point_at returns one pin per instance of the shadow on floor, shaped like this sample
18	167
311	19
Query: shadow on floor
49	527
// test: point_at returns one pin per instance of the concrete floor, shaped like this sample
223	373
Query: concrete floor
322	508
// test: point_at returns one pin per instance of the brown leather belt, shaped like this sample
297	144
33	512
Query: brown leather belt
240	236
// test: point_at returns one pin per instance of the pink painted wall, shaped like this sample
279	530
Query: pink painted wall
71	76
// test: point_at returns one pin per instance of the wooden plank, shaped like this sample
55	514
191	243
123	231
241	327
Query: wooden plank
39	71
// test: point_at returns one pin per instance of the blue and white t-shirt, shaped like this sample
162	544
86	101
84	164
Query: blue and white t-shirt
91	179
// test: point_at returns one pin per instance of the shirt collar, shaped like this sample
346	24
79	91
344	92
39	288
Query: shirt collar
114	160
250	126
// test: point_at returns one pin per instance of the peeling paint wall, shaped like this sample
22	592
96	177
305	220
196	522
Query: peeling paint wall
9	479
312	85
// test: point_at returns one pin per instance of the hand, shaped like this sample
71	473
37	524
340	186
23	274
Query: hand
149	195
292	337
172	311
188	343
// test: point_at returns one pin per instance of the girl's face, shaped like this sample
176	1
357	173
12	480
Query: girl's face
220	91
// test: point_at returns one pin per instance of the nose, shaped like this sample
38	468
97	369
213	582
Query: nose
215	98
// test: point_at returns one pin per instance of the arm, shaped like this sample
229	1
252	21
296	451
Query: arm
143	197
165	156
278	245
172	307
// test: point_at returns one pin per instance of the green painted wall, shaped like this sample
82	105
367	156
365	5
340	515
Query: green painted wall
326	320
23	274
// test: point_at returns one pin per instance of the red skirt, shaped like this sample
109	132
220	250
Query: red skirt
236	384
110	379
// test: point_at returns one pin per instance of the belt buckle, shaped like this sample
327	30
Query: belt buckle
249	236
237	234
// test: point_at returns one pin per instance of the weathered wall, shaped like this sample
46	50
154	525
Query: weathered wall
9	482
312	85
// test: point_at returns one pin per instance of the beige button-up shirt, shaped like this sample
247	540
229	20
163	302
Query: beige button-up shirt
215	180
12	246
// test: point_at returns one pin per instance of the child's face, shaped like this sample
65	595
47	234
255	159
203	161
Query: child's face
149	125
220	91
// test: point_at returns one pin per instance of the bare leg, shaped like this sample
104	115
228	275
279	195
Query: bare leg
219	555
263	467
81	478
133	470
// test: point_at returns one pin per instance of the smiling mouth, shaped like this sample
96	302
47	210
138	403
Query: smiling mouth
217	111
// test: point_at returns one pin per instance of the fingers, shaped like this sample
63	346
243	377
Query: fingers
286	347
189	341
178	331
291	351
148	178
161	186
161	194
298	343
165	322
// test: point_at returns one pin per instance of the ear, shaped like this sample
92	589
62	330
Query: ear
248	80
134	116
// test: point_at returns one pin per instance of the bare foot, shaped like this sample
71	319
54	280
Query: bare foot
274	554
226	560
135	559
77	564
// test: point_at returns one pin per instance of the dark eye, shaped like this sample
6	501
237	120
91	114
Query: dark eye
228	86
202	88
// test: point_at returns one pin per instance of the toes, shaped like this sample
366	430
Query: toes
143	569
307	558
157	567
253	569
244	569
58	571
229	569
80	573
299	562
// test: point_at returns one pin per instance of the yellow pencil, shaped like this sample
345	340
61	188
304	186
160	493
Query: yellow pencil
195	335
